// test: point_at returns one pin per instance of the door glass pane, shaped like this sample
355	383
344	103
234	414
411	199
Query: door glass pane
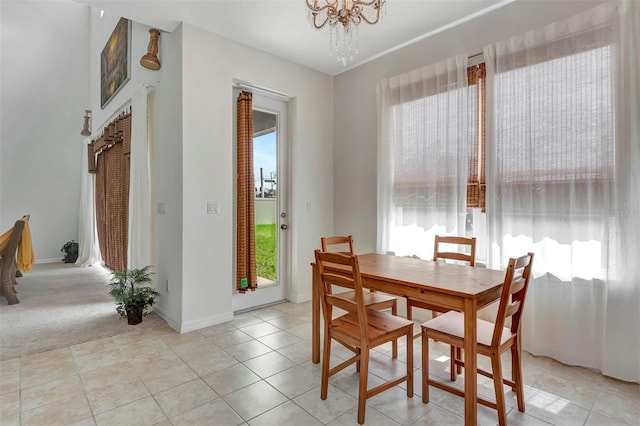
265	139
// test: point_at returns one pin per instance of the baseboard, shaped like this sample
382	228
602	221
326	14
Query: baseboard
253	308
170	321
54	260
188	326
300	298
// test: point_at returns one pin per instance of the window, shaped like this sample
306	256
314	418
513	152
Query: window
428	125
427	134
558	117
419	119
555	134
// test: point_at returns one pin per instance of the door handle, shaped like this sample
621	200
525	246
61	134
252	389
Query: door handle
284	227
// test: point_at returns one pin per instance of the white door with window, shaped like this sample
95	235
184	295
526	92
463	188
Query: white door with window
271	203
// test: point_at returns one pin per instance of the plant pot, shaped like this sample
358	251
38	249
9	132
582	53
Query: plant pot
134	316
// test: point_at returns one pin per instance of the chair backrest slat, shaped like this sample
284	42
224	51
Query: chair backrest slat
460	241
512	308
9	253
339	278
337	245
454	256
342	303
16	236
517	285
343	241
514	291
347	276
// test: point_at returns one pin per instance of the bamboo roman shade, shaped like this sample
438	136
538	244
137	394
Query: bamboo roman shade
246	278
112	168
476	183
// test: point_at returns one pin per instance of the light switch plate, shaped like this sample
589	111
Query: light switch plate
213	207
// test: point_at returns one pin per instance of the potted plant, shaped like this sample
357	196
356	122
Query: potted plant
70	249
132	293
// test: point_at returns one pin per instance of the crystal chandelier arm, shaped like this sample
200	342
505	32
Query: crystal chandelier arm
329	9
374	21
330	5
377	5
366	3
314	16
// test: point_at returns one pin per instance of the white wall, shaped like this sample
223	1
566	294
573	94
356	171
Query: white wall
44	90
166	170
355	158
165	105
210	65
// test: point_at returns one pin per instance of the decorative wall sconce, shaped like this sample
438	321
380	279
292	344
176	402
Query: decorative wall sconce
150	60
86	128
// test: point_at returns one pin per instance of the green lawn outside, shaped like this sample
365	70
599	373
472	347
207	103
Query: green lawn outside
266	251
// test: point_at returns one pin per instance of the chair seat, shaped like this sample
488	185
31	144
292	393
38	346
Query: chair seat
381	325
370	299
452	323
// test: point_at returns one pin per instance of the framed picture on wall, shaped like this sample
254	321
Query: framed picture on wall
115	68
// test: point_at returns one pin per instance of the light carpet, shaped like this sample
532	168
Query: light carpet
61	305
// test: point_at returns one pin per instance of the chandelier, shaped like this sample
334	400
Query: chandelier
343	17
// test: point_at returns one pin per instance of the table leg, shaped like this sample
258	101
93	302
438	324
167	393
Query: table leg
315	316
470	364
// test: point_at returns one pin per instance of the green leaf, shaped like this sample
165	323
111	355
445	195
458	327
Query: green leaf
130	288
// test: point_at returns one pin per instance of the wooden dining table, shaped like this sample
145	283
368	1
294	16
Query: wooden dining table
452	286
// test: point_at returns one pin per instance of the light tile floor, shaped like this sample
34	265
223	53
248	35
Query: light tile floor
257	370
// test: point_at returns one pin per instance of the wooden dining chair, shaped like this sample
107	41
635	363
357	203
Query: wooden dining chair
493	339
360	329
374	300
438	253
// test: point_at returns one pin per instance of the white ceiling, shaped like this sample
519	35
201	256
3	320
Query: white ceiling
281	27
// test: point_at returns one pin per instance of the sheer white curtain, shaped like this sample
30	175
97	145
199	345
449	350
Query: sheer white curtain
88	247
562	181
425	130
139	244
